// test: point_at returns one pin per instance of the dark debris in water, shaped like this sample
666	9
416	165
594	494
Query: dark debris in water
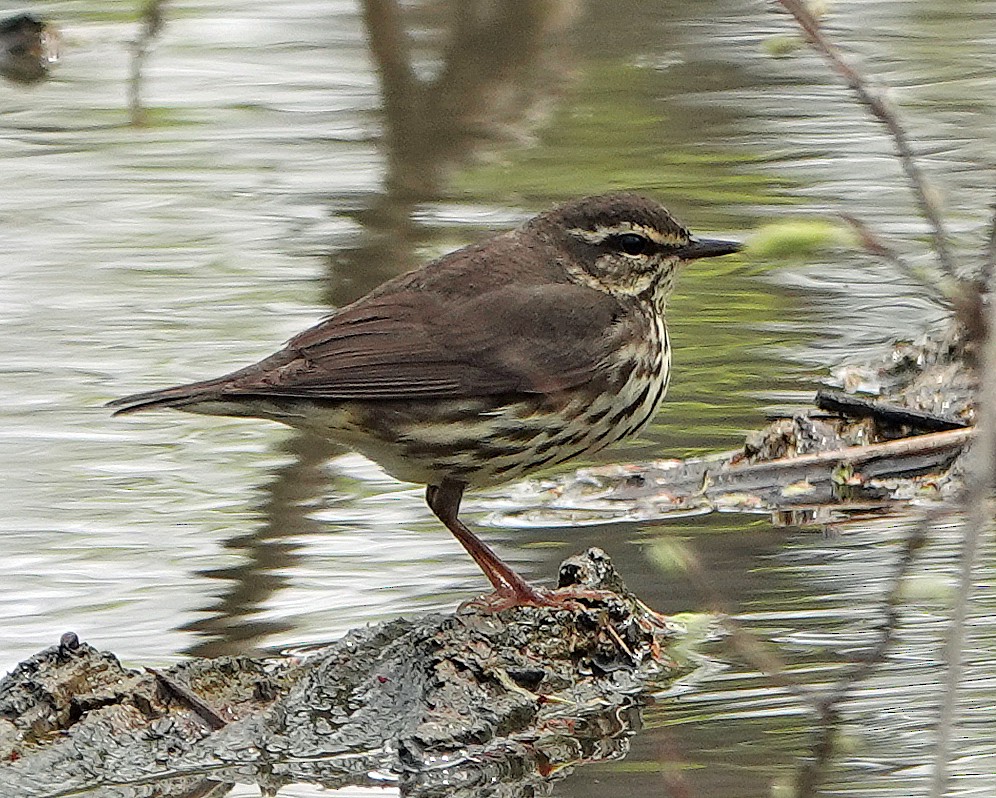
28	48
442	705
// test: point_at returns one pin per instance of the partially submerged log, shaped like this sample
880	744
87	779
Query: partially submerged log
441	705
834	477
867	455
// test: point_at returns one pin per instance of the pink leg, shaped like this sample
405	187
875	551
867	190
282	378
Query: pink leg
444	501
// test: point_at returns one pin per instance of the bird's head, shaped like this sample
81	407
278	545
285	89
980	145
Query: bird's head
624	244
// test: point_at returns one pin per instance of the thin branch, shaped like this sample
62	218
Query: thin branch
978	520
188	697
827	705
949	288
881	111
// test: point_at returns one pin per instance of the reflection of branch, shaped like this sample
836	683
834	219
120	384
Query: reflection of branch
828	704
881	110
989	256
234	622
389	46
495	70
152	24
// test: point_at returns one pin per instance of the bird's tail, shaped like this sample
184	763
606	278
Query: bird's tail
180	396
245	382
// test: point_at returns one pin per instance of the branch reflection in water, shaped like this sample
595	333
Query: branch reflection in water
499	65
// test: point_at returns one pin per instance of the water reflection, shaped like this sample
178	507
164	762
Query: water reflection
262	195
496	63
232	625
494	66
28	48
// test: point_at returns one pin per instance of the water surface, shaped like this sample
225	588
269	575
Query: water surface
280	175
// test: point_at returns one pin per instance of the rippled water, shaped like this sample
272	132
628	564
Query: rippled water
269	185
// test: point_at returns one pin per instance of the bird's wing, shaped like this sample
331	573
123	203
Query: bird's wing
514	339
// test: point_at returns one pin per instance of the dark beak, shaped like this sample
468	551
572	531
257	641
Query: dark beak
708	248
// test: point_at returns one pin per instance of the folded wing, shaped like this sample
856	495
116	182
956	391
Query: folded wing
412	344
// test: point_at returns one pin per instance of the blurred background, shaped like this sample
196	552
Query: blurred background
293	155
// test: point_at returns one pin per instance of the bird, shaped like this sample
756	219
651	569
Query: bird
508	356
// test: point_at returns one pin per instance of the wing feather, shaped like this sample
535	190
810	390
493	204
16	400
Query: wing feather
513	339
495	318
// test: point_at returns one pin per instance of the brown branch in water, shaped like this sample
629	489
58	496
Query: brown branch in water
152	19
885	114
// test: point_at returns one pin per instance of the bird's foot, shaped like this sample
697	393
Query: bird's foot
574	598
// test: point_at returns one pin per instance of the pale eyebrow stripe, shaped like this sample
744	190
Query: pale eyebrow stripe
603	232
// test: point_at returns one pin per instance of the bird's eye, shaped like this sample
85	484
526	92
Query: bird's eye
632	243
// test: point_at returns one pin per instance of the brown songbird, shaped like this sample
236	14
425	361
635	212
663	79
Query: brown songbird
514	354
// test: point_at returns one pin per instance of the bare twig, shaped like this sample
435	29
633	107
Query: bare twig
864	456
201	708
978	520
881	111
152	23
950	289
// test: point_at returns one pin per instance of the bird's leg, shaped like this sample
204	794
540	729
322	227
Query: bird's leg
444	501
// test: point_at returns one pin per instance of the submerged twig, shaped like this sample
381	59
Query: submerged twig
885	114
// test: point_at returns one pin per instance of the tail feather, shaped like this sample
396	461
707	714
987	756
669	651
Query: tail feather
179	396
239	382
